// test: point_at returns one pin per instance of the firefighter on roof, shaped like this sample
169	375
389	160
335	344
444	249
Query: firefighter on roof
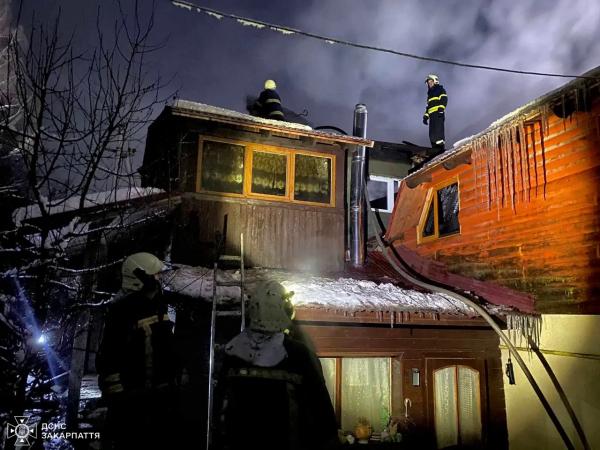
269	102
271	392
136	370
437	99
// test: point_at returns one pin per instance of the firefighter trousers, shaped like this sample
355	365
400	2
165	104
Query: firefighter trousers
436	130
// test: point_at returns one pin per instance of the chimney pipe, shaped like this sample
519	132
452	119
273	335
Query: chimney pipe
358	202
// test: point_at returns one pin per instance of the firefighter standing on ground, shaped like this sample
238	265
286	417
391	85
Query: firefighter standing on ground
136	370
269	102
271	393
437	99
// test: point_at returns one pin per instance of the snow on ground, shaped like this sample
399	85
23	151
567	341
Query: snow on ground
341	294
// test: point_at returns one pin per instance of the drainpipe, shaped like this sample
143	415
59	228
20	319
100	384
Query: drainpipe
358	203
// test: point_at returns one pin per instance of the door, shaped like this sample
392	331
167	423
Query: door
456	397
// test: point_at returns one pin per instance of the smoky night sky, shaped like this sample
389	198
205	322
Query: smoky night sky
219	62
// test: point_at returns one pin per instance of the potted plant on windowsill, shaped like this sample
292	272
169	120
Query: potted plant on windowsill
363	430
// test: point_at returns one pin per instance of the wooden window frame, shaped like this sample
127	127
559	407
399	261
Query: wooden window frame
432	198
392	359
293	177
249	150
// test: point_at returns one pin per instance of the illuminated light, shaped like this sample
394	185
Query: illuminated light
42	339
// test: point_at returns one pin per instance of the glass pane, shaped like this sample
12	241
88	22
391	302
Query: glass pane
222	167
365	392
448	209
269	173
312	179
429	229
469	410
328	365
446	420
378	194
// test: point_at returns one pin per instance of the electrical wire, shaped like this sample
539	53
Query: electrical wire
259	24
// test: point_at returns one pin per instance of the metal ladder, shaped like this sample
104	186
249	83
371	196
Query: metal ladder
213	319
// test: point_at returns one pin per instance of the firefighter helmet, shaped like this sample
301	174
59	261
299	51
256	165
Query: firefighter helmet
270	84
432	77
269	307
133	279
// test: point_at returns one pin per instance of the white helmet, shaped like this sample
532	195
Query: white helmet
269	307
432	77
146	262
270	84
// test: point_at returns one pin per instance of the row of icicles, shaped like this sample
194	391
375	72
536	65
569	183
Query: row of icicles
509	162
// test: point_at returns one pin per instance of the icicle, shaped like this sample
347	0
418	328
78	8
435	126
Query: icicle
564	112
544	131
511	165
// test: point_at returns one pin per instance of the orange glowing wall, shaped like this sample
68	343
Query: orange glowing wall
529	211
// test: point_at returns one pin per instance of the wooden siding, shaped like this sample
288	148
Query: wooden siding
276	235
417	347
529	213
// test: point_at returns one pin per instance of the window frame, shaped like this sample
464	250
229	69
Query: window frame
393	359
432	199
391	195
249	149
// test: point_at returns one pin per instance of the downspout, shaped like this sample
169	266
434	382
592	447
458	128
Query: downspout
483	313
358	202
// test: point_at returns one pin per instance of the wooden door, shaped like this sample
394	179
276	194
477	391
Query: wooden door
456	402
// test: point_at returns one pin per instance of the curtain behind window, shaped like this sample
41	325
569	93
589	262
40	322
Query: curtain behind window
365	392
457	414
328	365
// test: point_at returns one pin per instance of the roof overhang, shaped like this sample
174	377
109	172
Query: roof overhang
192	110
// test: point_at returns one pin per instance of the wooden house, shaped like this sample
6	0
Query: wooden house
517	206
284	186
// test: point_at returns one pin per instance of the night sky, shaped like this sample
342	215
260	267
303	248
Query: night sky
219	62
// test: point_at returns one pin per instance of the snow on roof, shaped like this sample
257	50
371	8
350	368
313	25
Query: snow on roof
92	199
215	110
217	113
517	113
341	294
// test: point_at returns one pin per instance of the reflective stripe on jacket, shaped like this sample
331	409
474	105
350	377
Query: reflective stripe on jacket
269	103
437	99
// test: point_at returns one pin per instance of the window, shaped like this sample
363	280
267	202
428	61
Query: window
312	178
260	171
269	173
440	214
457	411
222	167
364	387
382	193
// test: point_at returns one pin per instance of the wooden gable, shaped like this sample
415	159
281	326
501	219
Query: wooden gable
528	205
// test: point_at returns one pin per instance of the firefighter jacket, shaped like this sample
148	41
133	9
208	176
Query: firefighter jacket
285	406
269	105
136	353
437	100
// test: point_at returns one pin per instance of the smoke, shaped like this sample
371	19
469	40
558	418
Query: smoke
221	62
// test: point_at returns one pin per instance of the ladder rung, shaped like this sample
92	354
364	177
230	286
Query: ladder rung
229	283
229	313
230	258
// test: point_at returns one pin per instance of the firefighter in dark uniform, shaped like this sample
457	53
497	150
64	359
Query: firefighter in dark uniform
271	393
269	102
136	369
437	100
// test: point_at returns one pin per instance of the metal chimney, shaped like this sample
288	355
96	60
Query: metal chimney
358	202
